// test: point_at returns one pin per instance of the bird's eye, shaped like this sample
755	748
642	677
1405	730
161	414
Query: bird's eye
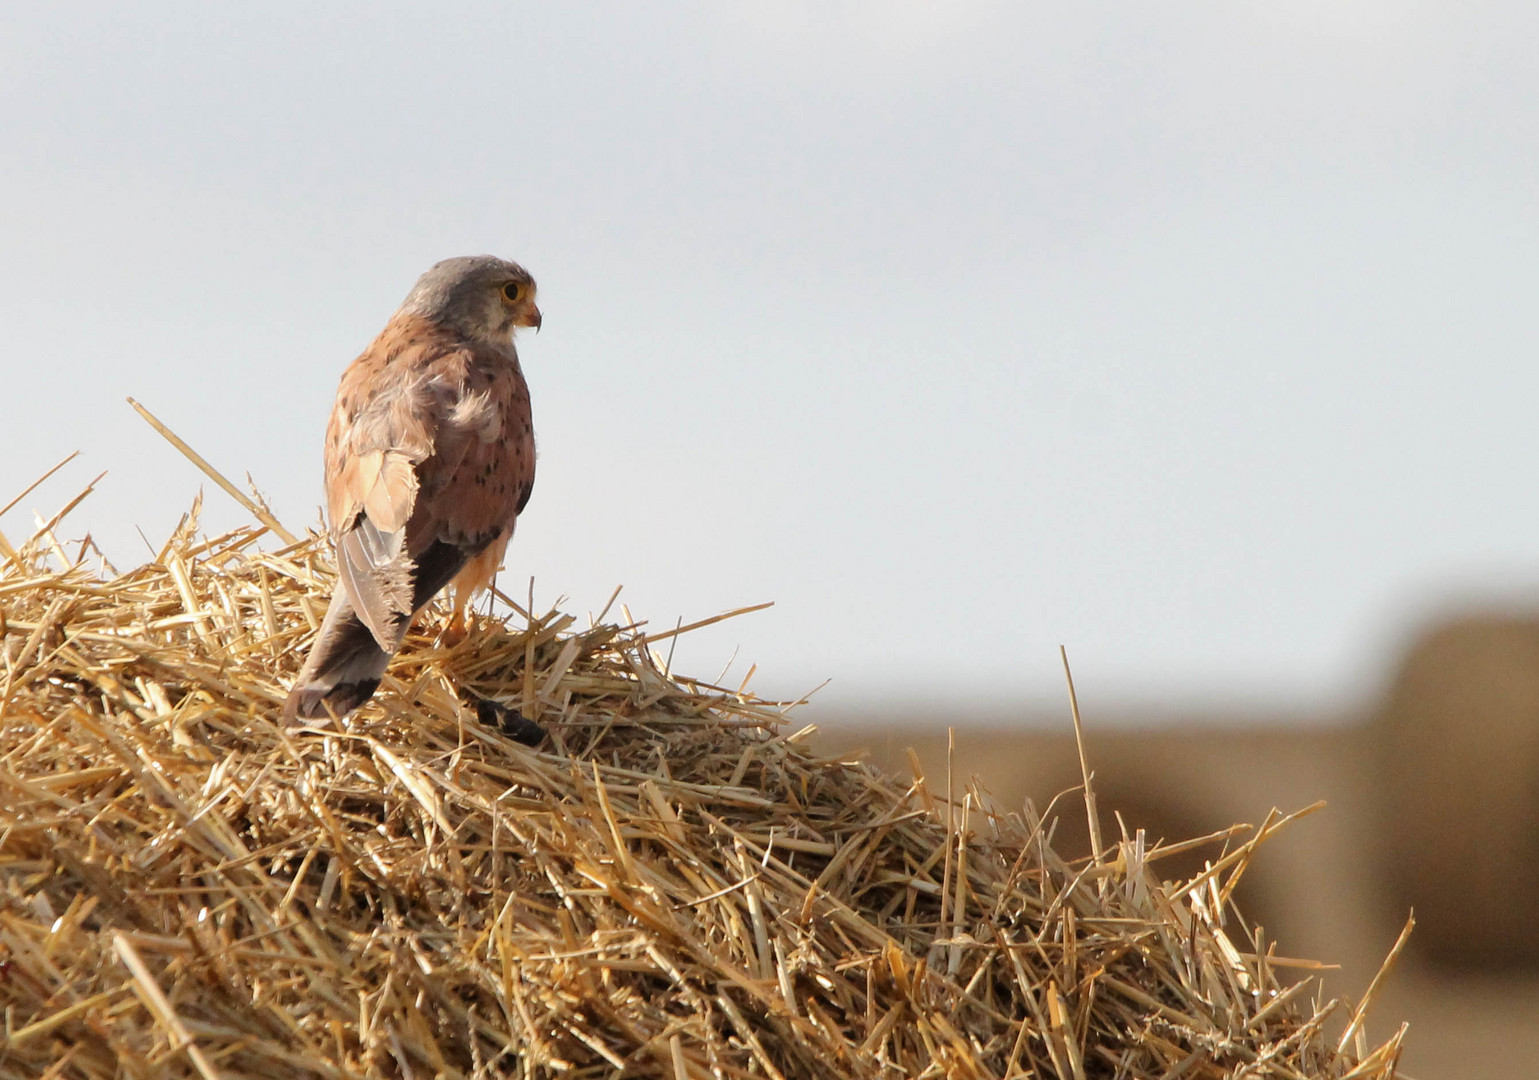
513	291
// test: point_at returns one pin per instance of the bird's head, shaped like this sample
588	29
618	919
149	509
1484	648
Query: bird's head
481	296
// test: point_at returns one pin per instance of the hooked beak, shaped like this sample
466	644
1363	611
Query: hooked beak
534	318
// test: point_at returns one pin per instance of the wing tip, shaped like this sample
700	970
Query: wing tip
316	701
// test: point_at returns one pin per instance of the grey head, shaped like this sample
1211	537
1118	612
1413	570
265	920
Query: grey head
481	296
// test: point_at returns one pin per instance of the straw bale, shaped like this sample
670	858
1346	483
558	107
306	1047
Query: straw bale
672	885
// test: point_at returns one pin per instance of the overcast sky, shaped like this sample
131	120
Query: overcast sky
1200	338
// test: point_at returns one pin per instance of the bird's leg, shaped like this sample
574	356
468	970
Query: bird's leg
456	630
458	627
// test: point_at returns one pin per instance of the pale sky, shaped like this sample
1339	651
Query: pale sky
1199	338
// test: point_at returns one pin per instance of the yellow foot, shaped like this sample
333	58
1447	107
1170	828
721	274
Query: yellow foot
456	631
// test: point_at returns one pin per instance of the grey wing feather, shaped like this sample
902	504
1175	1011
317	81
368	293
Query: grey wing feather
377	574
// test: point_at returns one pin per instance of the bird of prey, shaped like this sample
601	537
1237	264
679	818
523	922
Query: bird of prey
429	462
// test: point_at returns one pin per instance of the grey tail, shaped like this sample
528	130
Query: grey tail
346	662
343	669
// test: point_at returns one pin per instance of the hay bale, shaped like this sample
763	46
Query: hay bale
1458	744
674	886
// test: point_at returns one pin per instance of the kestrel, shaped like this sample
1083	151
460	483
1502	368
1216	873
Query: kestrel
429	462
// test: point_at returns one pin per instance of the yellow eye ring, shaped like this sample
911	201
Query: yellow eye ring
513	291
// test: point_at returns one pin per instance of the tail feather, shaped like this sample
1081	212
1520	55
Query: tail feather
343	669
347	661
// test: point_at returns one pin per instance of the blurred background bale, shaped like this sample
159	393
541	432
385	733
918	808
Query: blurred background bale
1457	745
